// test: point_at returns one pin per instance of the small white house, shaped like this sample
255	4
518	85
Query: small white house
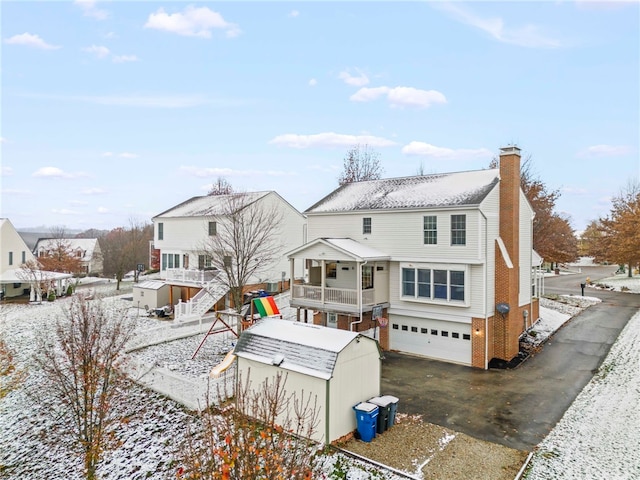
338	367
151	294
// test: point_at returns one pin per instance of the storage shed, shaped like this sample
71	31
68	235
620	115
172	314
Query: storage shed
151	293
340	368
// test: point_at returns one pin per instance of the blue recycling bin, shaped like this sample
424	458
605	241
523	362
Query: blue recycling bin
393	408
366	415
382	423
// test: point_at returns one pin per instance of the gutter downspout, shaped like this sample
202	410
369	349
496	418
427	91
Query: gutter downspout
359	280
484	299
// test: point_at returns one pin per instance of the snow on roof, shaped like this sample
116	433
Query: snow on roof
437	190
356	249
87	245
301	347
207	205
19	275
150	285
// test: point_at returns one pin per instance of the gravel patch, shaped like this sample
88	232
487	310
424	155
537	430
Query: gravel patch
429	451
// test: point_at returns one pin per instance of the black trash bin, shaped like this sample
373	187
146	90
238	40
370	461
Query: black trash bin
393	409
383	405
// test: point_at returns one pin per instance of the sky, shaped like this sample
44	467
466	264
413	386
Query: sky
112	112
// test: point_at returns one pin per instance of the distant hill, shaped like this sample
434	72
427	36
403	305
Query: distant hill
31	235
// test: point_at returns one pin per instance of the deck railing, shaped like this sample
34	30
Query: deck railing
341	296
190	276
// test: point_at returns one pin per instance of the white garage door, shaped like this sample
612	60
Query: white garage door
439	339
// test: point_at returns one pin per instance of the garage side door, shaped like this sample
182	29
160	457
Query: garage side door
450	341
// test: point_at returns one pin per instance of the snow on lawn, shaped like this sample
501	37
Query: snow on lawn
599	434
619	283
31	447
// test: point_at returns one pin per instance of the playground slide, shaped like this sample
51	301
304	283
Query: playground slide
223	365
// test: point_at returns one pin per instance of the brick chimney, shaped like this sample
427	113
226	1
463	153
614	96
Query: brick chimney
508	326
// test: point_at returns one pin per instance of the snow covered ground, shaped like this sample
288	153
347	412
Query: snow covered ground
155	425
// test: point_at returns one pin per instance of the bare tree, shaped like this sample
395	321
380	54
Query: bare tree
221	187
360	163
123	249
264	435
31	272
244	241
81	366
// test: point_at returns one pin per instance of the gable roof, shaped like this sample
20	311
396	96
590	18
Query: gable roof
207	205
88	245
348	246
425	191
305	348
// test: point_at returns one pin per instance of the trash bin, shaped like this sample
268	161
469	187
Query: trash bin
366	415
393	409
383	413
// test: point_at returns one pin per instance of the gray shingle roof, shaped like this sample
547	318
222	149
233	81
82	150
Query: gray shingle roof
427	191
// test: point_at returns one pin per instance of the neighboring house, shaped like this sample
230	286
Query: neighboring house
437	265
87	250
14	253
334	369
181	233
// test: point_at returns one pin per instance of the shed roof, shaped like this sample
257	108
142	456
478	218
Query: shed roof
309	349
150	285
208	205
424	191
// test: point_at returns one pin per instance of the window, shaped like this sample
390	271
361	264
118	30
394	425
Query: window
405	328
395	326
164	261
458	229
434	331
142	293
438	284
10	258
408	282
444	333
466	336
367	276
430	226
160	231
424	330
366	225
455	334
226	261
332	270
204	261
414	329
213	229
24	257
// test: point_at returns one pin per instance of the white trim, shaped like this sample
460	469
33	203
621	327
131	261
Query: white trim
505	254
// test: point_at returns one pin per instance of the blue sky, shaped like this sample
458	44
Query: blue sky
113	111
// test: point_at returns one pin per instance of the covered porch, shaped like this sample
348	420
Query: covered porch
342	275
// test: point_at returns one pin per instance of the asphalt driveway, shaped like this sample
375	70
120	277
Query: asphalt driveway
515	408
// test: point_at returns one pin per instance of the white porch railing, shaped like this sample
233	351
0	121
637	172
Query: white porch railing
190	276
202	301
343	296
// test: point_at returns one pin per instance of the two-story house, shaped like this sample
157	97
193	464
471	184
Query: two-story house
183	235
437	265
86	250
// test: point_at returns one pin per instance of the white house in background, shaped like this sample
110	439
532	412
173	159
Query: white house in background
437	265
337	368
86	249
181	231
14	253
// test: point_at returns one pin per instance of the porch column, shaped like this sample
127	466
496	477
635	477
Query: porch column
359	287
292	269
323	272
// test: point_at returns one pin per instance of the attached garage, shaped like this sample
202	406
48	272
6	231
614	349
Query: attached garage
438	339
339	368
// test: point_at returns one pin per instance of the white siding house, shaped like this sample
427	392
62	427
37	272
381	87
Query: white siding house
337	368
87	250
448	248
181	234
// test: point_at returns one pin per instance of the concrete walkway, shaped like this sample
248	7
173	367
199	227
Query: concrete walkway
515	408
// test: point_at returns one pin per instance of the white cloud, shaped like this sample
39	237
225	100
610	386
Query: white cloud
3	140
400	96
355	81
64	211
55	172
192	22
124	58
428	150
93	191
293	13
89	9
97	50
30	40
103	210
230	172
313	82
605	151
329	139
107	154
6	171
525	36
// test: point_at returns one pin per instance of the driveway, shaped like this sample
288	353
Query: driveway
515	408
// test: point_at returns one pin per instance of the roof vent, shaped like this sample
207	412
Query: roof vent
277	359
